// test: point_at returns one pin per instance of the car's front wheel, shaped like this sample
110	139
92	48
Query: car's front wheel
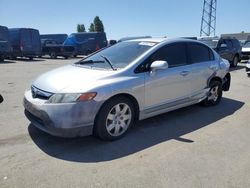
214	94
114	119
235	61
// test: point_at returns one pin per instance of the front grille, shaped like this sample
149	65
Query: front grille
245	53
40	94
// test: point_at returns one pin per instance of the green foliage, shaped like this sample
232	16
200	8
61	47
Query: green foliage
81	28
92	28
98	24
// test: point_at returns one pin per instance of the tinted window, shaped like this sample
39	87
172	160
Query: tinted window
199	53
229	44
175	55
236	43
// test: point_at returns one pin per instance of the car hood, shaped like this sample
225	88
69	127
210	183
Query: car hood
70	78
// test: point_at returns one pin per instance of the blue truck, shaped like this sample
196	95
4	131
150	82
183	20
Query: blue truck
5	47
25	42
87	43
59	38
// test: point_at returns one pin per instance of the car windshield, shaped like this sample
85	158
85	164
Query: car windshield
210	43
117	56
247	45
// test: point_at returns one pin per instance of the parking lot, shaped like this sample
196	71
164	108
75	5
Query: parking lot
190	147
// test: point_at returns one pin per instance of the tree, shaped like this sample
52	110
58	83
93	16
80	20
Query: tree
91	28
98	24
80	28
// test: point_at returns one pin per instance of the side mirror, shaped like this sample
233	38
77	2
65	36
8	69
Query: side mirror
112	42
223	46
158	65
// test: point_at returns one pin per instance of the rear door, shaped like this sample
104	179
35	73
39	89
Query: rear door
26	40
36	42
202	67
166	87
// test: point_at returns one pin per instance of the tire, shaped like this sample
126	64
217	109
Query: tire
215	95
53	55
235	61
66	57
114	119
74	55
30	58
1	59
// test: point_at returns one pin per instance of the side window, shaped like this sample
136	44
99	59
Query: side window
174	54
199	53
236	43
229	44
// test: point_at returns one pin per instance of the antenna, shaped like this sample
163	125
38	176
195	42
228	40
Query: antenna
208	21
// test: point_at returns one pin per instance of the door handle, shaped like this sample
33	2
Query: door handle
184	73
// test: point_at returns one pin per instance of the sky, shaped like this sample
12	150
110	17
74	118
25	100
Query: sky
121	18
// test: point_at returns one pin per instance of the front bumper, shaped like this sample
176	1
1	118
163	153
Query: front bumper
245	55
64	120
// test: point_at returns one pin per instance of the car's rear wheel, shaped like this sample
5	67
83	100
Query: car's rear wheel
214	94
114	119
235	61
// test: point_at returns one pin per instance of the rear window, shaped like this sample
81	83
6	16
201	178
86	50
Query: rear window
85	37
212	43
199	53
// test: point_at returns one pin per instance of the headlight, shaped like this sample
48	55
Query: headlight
71	97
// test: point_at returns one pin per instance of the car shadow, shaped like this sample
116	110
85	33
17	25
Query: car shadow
29	60
239	66
7	62
146	133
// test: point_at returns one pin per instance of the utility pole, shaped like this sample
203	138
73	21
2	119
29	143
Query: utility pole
208	21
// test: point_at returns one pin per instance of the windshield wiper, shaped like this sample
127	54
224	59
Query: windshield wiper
88	62
108	61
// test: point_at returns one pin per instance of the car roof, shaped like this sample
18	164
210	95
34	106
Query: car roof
165	40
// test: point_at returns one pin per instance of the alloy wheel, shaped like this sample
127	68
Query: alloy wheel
118	119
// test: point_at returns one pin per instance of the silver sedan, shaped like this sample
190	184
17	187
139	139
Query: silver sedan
106	92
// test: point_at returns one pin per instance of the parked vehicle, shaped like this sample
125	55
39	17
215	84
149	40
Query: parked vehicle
111	42
53	49
5	48
227	48
87	43
59	38
133	38
246	51
248	68
107	91
25	42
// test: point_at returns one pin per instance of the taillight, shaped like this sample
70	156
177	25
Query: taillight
97	47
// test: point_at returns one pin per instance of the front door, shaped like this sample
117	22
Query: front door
172	84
